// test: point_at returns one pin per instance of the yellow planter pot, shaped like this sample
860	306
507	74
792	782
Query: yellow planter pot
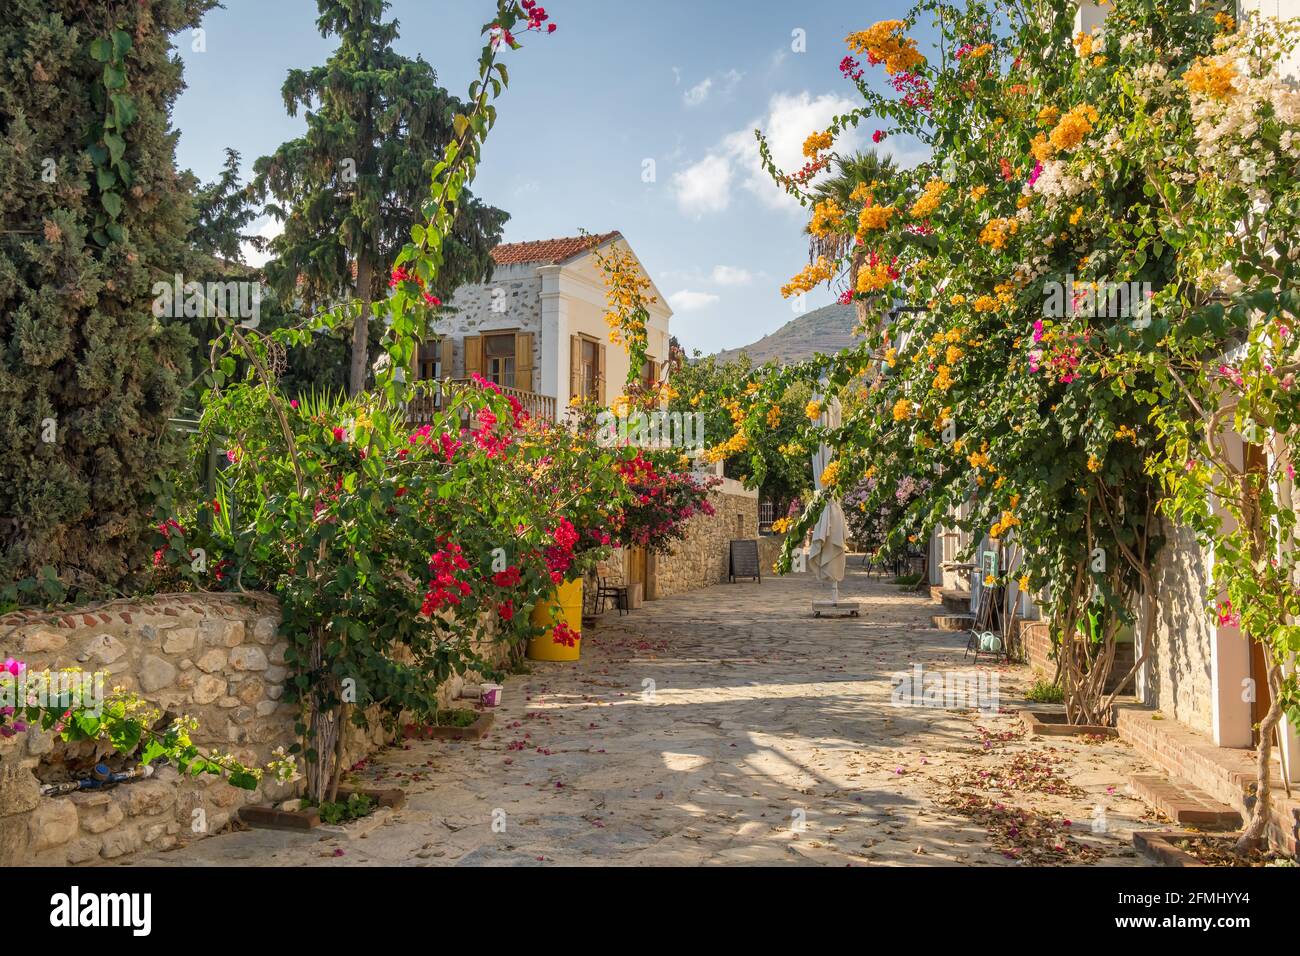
567	604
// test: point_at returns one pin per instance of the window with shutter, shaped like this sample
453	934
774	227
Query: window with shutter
428	361
575	367
524	361
448	367
499	352
473	355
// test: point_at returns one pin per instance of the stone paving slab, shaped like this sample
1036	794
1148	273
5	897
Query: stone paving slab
729	726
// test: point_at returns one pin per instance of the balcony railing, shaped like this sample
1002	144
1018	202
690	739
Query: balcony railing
422	409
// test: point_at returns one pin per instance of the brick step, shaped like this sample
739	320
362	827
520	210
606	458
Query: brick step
1184	804
936	593
953	622
958	601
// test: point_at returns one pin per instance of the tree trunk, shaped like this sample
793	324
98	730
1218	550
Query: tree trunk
1253	835
361	328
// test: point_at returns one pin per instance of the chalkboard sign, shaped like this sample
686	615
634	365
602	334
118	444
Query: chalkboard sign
744	560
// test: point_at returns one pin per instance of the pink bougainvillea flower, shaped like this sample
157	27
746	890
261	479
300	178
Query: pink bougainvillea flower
14	667
1227	616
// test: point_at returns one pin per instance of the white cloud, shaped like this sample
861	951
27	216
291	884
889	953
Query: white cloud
698	93
268	230
723	82
688	301
732	275
702	187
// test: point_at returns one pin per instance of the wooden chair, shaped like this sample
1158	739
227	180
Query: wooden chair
618	592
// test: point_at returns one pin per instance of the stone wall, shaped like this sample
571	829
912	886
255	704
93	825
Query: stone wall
1179	664
217	658
701	558
510	302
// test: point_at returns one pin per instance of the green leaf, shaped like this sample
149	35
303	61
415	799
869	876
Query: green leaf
121	44
116	147
124	110
114	77
100	49
112	204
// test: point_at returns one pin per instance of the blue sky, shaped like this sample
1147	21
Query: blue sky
619	83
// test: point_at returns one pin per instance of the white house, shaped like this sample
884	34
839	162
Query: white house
537	328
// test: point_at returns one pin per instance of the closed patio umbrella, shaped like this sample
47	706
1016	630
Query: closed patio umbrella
827	552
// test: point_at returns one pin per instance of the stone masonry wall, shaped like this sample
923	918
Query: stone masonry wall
701	558
520	305
1180	666
217	658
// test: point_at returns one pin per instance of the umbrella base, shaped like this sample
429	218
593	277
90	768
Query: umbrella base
836	608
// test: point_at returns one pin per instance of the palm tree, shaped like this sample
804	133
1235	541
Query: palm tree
850	171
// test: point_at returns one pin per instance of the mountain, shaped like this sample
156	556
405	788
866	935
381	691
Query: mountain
826	330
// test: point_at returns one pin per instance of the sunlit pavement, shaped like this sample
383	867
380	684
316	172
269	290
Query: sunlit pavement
728	726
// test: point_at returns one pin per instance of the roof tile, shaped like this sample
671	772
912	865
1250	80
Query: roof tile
546	251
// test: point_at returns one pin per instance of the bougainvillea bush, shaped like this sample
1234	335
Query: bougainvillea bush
397	550
1103	216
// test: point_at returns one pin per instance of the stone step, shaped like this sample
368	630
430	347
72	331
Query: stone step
1184	804
953	622
954	600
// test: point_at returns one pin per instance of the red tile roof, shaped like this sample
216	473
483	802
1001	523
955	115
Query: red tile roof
547	251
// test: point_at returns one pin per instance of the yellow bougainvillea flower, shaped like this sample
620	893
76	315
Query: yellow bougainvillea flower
875	276
884	43
1084	44
1213	77
957	300
873	217
781	525
811	277
1094	463
774	417
826	216
985	303
813	410
1023	581
929	199
1073	127
831	474
997	232
902	409
817	143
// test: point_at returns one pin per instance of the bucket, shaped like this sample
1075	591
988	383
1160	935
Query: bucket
567	603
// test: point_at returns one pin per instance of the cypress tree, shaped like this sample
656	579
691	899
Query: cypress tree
92	214
350	188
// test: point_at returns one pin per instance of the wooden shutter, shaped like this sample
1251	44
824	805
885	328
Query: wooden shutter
600	377
473	355
448	358
575	367
524	361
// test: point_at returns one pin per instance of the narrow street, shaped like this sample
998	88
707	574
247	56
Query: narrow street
730	726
